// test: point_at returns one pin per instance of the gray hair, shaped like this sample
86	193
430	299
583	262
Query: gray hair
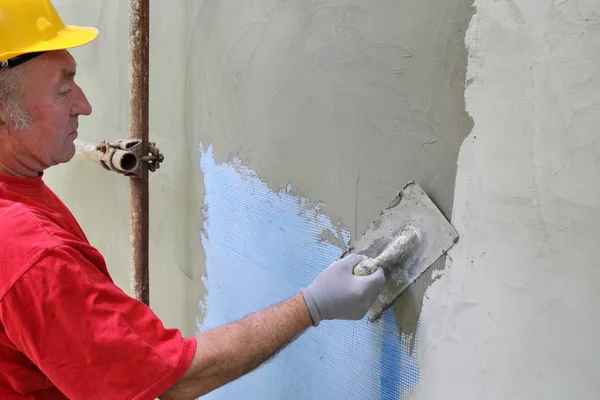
11	98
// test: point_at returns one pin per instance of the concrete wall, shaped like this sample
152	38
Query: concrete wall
515	315
288	125
347	101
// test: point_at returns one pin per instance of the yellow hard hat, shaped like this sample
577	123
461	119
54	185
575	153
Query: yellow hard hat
31	27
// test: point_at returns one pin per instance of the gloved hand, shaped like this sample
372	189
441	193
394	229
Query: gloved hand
336	293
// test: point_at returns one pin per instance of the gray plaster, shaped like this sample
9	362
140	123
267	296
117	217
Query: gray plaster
515	315
347	100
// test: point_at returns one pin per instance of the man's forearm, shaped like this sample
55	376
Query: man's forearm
226	353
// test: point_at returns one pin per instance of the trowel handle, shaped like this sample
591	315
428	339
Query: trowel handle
367	267
391	255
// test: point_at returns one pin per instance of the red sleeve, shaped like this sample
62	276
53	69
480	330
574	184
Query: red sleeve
87	336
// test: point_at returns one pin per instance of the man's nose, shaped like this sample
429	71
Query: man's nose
81	106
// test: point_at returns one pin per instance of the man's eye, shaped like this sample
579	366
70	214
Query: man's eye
65	93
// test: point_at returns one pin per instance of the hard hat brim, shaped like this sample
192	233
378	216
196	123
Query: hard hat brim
67	38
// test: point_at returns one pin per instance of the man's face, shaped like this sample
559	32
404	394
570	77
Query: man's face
53	101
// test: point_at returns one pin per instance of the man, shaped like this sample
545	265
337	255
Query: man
66	331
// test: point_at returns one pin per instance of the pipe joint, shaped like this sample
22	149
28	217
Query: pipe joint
124	157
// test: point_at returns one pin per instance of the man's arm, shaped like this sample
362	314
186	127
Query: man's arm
231	351
226	353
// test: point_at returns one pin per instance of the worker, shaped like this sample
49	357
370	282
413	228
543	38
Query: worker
66	330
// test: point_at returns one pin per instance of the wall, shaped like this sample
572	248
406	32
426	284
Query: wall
288	125
345	102
515	314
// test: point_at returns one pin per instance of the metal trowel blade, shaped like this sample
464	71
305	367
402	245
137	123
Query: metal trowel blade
436	236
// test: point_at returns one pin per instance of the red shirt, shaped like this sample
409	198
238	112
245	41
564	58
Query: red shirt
66	331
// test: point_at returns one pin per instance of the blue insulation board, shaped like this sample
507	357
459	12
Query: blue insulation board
261	247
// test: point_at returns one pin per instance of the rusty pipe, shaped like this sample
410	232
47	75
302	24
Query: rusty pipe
139	47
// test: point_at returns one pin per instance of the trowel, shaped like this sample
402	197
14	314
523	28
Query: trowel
409	235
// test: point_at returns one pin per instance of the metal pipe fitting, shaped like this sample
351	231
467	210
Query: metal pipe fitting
113	157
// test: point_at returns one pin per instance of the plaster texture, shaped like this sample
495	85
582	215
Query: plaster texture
346	100
515	314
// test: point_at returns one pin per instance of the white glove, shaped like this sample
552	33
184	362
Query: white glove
336	293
